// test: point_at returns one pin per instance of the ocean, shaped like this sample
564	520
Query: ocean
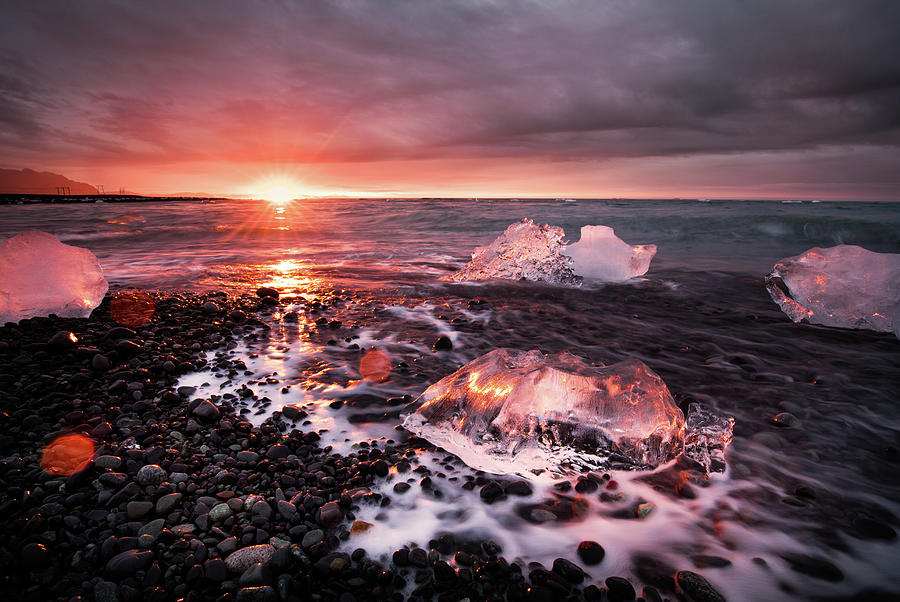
807	508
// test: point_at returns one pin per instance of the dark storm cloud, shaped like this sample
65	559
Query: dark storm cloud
364	81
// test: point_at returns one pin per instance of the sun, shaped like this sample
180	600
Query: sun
278	189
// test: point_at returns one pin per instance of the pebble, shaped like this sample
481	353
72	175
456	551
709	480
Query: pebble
151	474
206	410
312	537
167	503
138	509
591	552
215	570
108	462
260	593
220	512
620	589
491	492
786	419
35	555
288	511
210	308
247	456
100	362
443	343
129	562
105	591
571	571
698	588
330	515
240	560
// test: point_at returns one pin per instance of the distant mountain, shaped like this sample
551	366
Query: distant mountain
28	181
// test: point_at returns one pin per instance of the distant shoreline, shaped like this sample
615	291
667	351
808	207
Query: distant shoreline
42	199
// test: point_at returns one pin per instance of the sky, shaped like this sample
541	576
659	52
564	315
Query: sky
709	99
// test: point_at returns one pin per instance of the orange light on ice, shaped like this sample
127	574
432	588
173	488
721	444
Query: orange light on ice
67	454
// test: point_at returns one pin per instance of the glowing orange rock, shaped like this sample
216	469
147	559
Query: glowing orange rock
132	307
375	366
67	454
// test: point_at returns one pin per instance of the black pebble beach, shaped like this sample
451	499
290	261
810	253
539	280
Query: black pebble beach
186	500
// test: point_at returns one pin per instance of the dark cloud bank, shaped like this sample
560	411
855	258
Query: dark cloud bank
157	82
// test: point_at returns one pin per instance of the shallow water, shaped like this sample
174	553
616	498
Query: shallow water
820	496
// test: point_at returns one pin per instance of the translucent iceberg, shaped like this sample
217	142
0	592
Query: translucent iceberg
707	434
526	251
602	255
40	276
525	412
845	286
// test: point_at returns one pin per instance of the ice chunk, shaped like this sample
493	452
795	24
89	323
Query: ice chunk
526	251
40	276
707	434
525	412
845	286
602	255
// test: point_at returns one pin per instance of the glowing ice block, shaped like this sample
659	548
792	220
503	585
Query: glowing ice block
602	255
525	251
39	276
525	412
845	286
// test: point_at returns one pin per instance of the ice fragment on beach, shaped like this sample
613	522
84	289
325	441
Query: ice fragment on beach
707	434
40	276
602	255
526	251
845	286
523	412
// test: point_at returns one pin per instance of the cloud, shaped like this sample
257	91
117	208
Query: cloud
354	81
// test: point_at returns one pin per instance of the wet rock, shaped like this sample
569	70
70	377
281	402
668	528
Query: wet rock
206	411
215	570
35	556
240	560
63	340
813	566
571	571
330	515
265	291
288	511
418	557
491	492
260	593
256	574
591	552
698	588
293	412
518	488
108	462
219	512
619	589
311	538
138	509
100	362
105	591
151	474
129	562
443	343
167	503
278	452
210	308
786	419
249	457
